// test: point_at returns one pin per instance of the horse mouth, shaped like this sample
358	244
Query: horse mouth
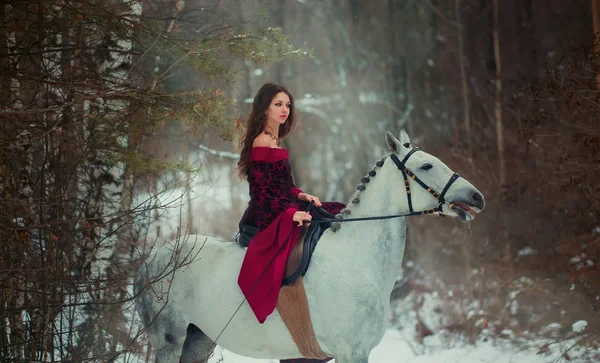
464	211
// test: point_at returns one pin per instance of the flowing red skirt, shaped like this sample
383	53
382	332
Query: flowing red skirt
264	264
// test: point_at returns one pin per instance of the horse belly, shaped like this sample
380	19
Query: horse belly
207	293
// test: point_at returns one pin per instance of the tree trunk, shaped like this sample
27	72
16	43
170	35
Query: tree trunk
399	112
4	102
142	77
498	104
525	10
4	63
463	79
596	20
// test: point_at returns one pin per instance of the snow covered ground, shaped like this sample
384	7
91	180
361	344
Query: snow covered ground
394	348
400	345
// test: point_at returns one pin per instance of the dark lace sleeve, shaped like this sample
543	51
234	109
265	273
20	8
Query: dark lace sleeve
270	191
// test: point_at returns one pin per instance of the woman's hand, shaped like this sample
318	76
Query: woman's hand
309	198
301	216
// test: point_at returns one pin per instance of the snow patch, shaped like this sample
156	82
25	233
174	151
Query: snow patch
478	354
527	251
579	326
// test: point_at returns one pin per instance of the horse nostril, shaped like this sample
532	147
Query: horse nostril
478	200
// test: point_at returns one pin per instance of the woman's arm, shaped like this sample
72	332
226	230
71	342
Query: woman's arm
301	195
296	191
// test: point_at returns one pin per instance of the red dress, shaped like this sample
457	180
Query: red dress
273	202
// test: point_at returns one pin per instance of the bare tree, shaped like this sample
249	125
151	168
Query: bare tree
596	23
498	101
463	78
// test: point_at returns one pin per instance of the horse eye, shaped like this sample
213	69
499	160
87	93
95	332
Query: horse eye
426	166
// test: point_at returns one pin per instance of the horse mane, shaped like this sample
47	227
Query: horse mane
355	199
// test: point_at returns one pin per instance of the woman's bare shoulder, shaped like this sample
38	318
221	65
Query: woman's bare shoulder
264	140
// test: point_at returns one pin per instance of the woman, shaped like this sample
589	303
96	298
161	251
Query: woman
277	206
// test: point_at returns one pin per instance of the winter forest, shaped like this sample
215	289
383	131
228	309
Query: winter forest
120	124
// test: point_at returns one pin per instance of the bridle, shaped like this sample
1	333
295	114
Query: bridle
406	174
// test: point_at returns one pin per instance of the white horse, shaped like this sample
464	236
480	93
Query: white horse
186	295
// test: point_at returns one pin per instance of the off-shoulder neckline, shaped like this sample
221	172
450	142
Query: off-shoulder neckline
267	147
268	154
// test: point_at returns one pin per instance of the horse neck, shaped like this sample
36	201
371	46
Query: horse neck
377	245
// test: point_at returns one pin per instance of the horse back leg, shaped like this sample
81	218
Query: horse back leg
165	328
197	347
167	341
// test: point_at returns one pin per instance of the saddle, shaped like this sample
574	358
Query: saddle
299	260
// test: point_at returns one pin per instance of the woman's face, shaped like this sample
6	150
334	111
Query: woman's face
279	109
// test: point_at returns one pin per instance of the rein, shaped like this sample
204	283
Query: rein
406	173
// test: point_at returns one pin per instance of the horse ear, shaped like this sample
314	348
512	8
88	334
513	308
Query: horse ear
393	144
404	139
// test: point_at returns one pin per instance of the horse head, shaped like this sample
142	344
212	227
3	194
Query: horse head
429	184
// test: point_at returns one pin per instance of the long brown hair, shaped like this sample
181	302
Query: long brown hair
257	121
